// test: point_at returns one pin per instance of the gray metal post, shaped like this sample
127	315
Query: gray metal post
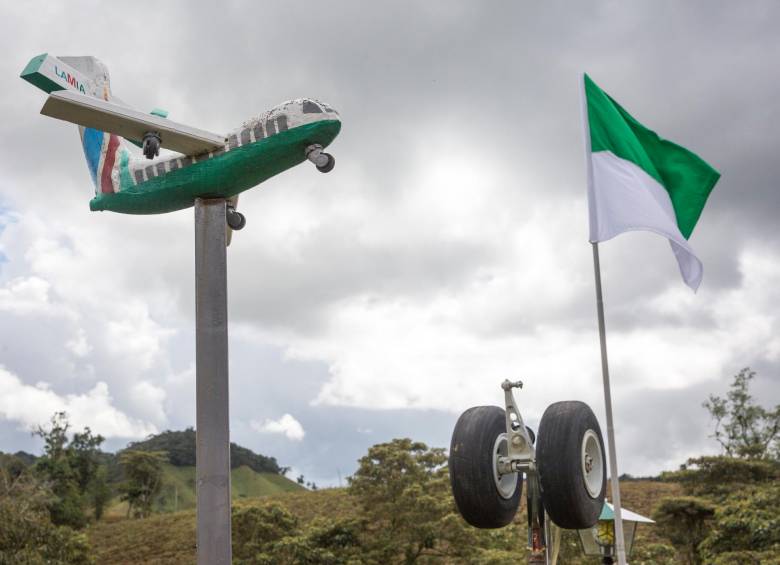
620	548
211	383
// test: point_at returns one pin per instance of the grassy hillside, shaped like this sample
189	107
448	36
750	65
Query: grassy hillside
178	491
170	538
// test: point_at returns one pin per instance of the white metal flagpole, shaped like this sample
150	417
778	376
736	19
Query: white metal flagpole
620	548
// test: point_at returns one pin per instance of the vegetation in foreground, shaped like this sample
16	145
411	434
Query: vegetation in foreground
398	509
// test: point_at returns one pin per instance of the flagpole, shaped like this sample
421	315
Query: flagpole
620	547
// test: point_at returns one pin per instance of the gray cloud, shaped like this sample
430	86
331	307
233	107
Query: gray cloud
486	266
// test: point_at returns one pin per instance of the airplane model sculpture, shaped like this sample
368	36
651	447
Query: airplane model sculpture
208	174
210	166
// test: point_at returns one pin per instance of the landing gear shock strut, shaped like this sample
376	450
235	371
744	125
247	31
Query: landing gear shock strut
324	161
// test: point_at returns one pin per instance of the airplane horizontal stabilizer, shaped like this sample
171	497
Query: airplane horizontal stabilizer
128	123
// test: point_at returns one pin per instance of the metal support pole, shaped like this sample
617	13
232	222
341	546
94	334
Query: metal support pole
211	383
620	547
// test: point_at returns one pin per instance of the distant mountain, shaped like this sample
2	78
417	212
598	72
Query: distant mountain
26	458
180	447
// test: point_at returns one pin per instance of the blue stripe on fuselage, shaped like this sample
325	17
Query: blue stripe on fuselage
93	140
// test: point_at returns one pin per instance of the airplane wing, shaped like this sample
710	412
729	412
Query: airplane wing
128	123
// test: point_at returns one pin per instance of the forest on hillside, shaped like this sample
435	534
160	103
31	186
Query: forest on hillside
180	450
398	507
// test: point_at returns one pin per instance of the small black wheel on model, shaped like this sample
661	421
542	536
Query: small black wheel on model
236	220
571	463
327	167
151	145
484	498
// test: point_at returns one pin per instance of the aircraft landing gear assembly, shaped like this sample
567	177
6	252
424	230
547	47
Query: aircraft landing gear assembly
324	161
565	468
151	144
236	220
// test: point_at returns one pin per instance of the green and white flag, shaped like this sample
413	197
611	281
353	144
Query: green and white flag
639	181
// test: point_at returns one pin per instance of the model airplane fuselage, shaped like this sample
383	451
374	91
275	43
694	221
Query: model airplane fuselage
213	166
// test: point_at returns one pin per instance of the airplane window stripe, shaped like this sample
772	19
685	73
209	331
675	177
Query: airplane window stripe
259	134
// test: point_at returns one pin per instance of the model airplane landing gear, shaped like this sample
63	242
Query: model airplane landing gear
565	471
151	144
324	161
236	220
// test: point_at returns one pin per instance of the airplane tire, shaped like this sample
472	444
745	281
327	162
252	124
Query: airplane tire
572	465
327	167
483	498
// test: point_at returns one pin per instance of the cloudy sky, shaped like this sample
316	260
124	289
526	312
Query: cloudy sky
446	252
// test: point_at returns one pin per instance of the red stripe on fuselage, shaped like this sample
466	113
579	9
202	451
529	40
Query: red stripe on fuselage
106	186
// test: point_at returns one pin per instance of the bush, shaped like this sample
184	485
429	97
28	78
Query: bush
271	535
685	521
720	476
27	534
748	558
654	554
746	521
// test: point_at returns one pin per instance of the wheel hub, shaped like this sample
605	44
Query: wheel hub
592	464
506	483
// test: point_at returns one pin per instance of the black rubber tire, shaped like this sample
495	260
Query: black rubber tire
236	220
471	469
151	146
327	167
559	460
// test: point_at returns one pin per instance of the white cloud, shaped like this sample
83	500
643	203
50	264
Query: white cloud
286	425
451	350
79	344
31	406
148	401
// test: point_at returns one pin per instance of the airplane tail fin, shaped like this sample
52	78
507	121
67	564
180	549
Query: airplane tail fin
106	154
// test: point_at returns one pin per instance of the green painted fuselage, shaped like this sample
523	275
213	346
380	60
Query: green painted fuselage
222	175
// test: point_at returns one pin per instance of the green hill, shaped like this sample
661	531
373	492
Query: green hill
180	449
178	491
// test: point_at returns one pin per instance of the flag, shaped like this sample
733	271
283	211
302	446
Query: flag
640	181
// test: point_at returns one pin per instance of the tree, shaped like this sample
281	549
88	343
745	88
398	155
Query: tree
743	428
403	489
100	491
70	467
143	472
685	521
27	534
